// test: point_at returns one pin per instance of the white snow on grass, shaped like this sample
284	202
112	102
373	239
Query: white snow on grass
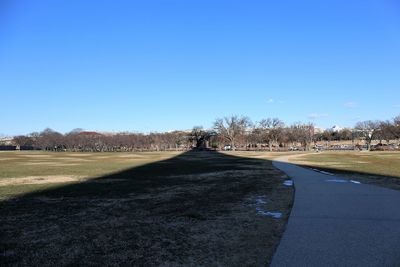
288	183
275	215
261	200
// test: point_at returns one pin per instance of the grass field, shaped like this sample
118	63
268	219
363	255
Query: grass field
379	168
25	172
141	209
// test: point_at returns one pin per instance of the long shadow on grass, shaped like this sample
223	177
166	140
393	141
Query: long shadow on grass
197	208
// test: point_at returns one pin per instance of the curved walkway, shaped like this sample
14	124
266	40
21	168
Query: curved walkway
335	222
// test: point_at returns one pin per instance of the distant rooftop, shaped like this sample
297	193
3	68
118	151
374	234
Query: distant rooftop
89	133
336	128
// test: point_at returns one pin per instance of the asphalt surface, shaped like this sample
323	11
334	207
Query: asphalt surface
335	222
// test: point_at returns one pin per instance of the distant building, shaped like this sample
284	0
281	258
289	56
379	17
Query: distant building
318	130
6	140
336	129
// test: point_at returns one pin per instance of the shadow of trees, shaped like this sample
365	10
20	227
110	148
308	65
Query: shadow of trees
194	209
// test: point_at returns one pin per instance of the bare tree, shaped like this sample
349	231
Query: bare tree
386	131
231	128
271	130
49	139
303	133
345	134
396	120
368	130
197	136
396	128
256	137
23	140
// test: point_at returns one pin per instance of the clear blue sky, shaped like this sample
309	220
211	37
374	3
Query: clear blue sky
163	65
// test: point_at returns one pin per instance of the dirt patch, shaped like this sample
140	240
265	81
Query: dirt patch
79	155
76	159
49	163
8	159
65	164
131	156
72	159
40	180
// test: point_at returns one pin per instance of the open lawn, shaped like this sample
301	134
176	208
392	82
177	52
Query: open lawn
379	168
25	172
141	209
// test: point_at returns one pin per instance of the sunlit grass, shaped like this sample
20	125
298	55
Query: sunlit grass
378	163
82	166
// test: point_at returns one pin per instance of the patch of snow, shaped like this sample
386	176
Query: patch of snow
260	200
275	215
288	183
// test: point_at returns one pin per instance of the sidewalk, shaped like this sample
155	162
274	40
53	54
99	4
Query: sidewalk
335	222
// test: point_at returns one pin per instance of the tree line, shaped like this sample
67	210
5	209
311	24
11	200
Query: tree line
83	141
229	133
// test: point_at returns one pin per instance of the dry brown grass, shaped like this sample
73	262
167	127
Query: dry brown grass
377	168
195	209
40	180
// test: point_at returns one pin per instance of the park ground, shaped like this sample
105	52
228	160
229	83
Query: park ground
141	209
159	208
377	168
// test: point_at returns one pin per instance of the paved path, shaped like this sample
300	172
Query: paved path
339	223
